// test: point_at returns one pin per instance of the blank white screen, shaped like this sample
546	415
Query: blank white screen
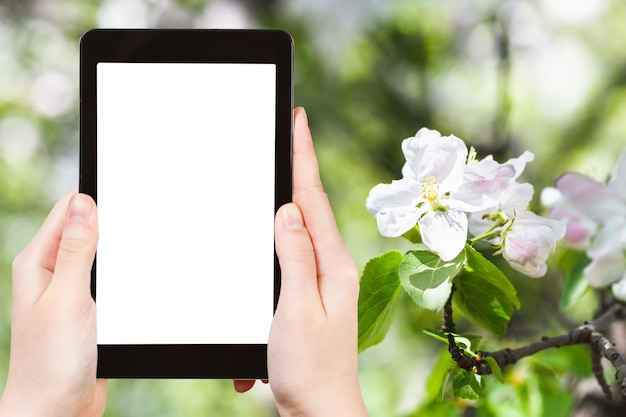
185	203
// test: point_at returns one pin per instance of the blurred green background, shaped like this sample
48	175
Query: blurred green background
544	75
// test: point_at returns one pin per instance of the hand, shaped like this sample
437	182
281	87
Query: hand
312	350
52	369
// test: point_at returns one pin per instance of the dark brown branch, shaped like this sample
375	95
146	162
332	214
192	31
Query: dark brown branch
505	357
607	348
458	355
590	333
447	322
598	371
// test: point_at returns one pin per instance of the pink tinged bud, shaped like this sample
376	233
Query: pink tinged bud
529	242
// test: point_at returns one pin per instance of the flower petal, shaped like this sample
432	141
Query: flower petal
606	268
444	233
580	228
394	206
413	149
520	162
513	199
444	160
619	289
486	180
588	196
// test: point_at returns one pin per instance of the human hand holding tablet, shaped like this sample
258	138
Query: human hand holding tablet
185	146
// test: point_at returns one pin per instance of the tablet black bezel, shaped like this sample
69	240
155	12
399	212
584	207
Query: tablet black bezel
246	361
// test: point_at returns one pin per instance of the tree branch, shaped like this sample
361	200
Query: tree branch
607	348
590	333
447	322
598	371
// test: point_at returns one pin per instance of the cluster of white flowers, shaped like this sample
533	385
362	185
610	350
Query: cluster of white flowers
595	214
450	195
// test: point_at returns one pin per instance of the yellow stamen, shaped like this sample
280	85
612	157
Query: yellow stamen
430	190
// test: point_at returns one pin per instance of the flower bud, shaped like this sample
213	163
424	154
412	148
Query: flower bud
529	241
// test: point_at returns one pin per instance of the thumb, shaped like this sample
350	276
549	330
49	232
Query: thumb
296	256
77	247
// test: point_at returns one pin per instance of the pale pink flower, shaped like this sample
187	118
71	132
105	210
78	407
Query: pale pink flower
529	241
596	222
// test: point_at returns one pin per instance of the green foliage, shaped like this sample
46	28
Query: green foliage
438	379
573	263
495	368
484	294
531	391
438	409
378	295
193	5
570	360
427	278
468	385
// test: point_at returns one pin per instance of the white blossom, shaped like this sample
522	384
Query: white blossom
427	194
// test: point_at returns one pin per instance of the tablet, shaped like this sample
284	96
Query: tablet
185	145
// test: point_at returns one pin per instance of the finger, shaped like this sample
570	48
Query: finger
33	267
305	167
334	262
296	257
77	247
243	385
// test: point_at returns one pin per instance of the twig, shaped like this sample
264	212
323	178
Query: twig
447	322
589	333
598	371
607	348
458	355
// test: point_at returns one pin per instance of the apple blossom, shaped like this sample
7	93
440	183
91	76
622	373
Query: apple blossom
427	194
580	202
528	242
596	222
488	179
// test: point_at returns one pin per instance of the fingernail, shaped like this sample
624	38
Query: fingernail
306	117
79	209
292	218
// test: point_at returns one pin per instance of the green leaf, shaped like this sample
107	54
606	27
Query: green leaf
436	336
484	294
378	295
427	278
573	264
468	385
445	376
464	342
495	367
